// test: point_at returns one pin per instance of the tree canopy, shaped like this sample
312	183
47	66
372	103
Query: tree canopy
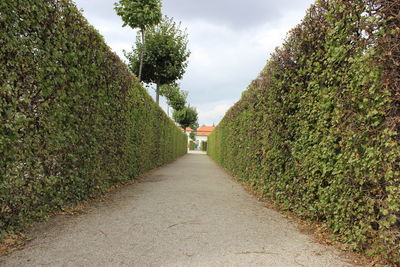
176	98
166	54
187	117
139	13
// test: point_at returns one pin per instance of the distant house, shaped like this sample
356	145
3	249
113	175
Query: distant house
189	130
203	133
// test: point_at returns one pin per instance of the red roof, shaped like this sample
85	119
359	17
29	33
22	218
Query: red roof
205	130
188	129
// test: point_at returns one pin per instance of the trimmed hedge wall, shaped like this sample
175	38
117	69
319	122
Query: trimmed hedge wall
74	120
203	146
192	145
318	130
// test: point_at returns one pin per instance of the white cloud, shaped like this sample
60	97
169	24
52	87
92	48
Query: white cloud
212	112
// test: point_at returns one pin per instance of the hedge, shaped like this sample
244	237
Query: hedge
318	130
203	146
192	145
74	119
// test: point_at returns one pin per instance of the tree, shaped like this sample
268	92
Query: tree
165	57
139	14
192	136
186	117
176	98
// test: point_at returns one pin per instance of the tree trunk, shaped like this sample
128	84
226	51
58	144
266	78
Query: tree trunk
158	93
141	56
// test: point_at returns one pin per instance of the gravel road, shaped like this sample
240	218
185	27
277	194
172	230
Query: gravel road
188	213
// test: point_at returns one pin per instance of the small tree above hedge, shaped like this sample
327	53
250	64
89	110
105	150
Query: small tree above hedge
139	14
187	117
166	54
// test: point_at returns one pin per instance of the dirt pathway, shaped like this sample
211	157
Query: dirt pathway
188	213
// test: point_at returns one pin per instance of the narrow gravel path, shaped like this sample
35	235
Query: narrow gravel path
188	213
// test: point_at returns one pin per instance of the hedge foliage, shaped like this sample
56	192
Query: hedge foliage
203	146
192	145
74	120
318	130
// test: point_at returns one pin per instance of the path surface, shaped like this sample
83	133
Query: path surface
188	213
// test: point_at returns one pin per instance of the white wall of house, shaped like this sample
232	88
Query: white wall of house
200	138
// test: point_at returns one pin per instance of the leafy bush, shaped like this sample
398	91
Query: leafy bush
74	120
318	130
192	145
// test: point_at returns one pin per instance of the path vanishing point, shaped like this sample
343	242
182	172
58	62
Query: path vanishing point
187	213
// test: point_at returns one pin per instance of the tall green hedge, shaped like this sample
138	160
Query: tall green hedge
203	146
192	145
318	130
74	120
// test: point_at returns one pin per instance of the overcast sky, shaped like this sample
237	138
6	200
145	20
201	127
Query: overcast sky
230	42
